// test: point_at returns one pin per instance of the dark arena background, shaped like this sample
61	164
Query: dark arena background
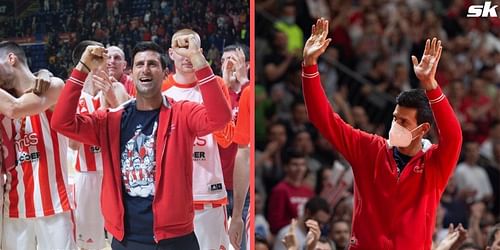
48	30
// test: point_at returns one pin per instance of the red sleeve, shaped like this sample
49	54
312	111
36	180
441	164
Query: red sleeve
242	130
81	127
450	136
215	113
351	143
224	137
278	210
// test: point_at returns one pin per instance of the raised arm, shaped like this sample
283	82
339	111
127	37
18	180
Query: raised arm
30	103
347	140
448	127
81	127
215	112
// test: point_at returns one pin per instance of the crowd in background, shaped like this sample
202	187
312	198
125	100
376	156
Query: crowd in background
124	23
367	64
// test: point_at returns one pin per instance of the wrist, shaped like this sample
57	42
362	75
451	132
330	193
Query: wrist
236	215
81	67
198	61
309	61
430	84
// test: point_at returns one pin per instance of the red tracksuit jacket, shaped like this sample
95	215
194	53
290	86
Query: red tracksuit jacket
179	124
390	211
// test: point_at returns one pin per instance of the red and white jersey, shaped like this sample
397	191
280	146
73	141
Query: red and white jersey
208	180
37	185
89	157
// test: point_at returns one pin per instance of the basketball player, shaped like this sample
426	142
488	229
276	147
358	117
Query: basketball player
37	207
209	192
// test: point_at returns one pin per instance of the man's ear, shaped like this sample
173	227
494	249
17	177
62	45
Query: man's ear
171	54
12	59
426	127
423	130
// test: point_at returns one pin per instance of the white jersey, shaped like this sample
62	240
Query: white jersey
37	185
208	181
89	156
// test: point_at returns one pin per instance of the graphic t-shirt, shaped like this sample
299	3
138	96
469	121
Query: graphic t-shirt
137	154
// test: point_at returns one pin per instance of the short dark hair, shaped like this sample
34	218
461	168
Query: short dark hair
416	98
13	47
340	221
316	204
491	235
144	46
80	48
326	240
293	153
244	47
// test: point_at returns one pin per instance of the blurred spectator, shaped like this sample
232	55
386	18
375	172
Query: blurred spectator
277	63
324	244
476	107
454	205
340	233
288	197
494	238
316	209
471	177
288	25
261	225
486	149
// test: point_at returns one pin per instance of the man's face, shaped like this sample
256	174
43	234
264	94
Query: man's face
278	133
406	117
296	169
182	64
303	142
300	113
340	234
472	152
116	63
322	217
147	73
225	56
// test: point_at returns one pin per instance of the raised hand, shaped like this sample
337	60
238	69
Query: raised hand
290	239
93	57
317	42
186	45
425	70
239	62
313	235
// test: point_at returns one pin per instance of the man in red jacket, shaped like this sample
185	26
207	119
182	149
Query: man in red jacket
398	182
146	146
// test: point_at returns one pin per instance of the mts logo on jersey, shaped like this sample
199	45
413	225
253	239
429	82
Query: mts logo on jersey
485	10
28	140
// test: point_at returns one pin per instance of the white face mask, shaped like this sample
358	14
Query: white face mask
400	136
